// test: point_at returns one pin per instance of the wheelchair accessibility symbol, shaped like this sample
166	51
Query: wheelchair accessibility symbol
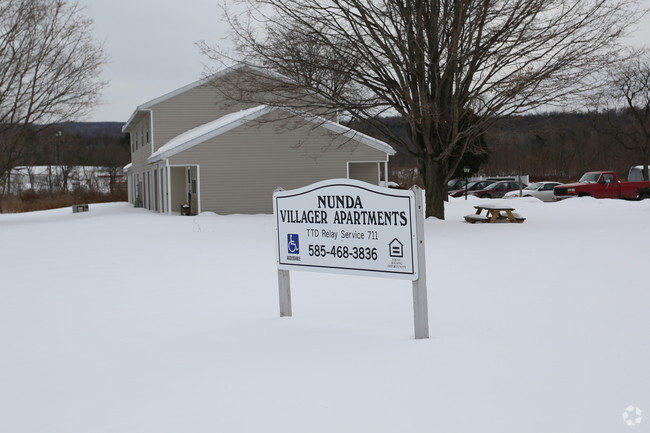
293	244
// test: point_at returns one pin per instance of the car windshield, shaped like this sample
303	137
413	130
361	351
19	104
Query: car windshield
493	185
589	178
534	186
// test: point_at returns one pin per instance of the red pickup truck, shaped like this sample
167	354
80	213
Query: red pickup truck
603	184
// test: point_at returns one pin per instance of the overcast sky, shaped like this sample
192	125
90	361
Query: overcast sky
152	48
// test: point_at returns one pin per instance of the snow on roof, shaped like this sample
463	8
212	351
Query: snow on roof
230	121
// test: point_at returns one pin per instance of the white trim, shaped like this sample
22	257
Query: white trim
169	188
129	185
163	181
198	188
145	189
386	173
150	177
160	188
188	183
154	193
136	190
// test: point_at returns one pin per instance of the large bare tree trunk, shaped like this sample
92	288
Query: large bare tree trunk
434	176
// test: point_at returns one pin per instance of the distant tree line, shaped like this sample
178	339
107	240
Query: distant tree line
560	146
100	143
70	145
553	145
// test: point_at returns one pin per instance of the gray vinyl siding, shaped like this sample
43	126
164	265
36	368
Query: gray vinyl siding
239	170
364	171
188	110
139	156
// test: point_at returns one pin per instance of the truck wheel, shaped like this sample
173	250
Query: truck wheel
486	196
584	194
643	193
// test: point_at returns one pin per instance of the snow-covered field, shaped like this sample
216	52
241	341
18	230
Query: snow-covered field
120	320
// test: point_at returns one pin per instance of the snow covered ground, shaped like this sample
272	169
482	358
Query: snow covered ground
124	321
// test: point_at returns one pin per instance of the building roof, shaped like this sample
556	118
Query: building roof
142	109
230	121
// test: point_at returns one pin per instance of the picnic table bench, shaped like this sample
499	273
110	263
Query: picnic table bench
494	213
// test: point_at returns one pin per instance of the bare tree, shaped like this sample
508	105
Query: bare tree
623	107
449	68
49	70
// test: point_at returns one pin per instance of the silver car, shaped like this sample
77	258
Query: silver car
540	190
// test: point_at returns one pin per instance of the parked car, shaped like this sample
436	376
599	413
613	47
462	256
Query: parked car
540	190
497	189
471	187
455	184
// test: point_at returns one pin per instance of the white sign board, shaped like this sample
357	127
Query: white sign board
347	226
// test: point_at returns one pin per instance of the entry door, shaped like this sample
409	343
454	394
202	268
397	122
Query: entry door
192	190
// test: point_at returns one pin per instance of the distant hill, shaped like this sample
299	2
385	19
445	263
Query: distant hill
94	129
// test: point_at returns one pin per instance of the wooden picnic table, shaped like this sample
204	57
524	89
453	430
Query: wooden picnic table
494	212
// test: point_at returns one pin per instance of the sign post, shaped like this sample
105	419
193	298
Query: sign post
420	303
352	227
284	286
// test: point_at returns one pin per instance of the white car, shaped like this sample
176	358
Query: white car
540	190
